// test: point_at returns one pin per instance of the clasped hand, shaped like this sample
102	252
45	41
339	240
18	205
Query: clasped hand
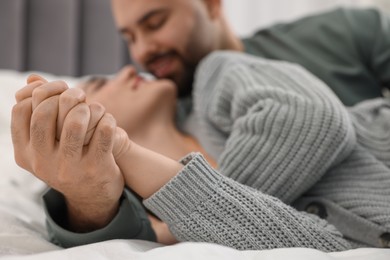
71	146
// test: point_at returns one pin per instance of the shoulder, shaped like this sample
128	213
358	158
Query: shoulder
226	63
364	15
339	21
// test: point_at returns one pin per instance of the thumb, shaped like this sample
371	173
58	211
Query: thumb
122	143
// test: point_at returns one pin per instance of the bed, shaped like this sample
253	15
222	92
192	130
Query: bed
83	38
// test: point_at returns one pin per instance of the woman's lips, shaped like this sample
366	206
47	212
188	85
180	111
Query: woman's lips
137	82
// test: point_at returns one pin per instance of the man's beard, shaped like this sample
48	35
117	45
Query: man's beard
185	81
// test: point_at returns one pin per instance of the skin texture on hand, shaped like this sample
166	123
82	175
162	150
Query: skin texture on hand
87	176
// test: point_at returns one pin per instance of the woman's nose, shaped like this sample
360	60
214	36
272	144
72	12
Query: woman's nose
126	73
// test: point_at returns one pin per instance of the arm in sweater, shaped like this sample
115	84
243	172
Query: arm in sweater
199	204
284	128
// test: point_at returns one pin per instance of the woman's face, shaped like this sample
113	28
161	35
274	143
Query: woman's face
134	101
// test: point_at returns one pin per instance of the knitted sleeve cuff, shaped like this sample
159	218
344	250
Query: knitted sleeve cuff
195	183
131	222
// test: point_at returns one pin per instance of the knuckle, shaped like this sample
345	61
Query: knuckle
97	108
105	138
82	110
40	114
70	96
69	150
38	135
79	113
39	93
74	126
65	98
47	107
72	142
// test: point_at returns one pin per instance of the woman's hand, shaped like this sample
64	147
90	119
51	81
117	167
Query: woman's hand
87	176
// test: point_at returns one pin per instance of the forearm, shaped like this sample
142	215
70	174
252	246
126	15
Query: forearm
145	171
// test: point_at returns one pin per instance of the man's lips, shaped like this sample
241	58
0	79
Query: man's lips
162	66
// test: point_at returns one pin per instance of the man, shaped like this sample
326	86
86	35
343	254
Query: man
348	49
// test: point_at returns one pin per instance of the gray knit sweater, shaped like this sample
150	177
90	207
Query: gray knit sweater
201	205
278	130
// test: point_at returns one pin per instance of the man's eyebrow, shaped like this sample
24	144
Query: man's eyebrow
145	17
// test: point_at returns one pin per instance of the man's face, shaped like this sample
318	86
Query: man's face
167	37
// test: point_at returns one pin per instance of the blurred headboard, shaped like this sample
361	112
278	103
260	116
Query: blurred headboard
63	37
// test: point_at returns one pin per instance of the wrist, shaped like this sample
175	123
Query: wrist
145	171
122	144
88	217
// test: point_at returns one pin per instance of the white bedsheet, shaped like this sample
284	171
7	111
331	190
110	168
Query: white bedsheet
22	229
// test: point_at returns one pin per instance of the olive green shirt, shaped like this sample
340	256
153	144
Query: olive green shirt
349	49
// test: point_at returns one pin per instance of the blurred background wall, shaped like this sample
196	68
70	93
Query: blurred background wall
246	16
78	37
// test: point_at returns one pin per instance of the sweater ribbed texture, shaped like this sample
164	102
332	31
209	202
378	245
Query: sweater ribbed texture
201	205
361	185
372	123
281	127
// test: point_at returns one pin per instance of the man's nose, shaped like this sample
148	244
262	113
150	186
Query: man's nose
143	50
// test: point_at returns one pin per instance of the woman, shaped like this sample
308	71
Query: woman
271	126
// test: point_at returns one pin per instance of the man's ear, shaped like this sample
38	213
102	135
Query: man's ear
214	8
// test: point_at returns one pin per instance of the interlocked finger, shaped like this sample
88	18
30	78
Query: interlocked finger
43	126
27	91
97	112
103	138
74	132
33	81
47	90
68	100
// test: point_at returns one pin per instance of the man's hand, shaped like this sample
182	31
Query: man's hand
87	176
